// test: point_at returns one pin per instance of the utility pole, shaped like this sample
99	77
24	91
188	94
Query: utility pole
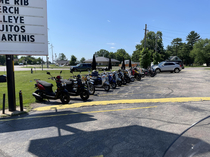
156	43
52	52
47	62
145	35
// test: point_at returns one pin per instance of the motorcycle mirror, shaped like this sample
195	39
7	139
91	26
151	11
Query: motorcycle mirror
48	73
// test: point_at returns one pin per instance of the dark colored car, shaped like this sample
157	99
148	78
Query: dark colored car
81	67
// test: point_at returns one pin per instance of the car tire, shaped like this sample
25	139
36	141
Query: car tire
157	71
176	70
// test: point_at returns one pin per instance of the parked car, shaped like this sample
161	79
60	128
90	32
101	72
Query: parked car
178	62
81	67
167	66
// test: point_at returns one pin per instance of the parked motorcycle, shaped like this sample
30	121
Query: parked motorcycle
121	76
44	90
126	76
148	72
117	79
132	79
112	81
136	74
100	81
89	84
76	87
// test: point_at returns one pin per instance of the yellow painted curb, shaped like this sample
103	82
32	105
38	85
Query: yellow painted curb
125	101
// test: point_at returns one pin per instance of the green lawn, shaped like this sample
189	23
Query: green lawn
24	81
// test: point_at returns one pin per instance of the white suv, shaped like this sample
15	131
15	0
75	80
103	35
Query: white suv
167	66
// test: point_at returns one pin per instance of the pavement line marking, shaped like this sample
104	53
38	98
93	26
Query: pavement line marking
76	113
101	95
125	101
98	156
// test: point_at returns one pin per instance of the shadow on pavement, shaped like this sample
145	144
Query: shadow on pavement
123	142
44	120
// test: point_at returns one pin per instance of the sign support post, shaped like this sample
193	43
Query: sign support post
11	82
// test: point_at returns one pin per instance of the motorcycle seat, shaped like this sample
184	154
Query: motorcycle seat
68	82
44	83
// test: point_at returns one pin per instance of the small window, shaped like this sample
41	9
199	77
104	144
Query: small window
166	64
171	63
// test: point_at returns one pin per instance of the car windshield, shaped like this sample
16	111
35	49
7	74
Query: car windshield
160	63
78	65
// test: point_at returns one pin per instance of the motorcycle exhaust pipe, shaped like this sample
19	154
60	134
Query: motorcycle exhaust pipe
36	95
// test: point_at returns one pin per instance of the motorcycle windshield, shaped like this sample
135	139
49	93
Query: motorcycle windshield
193	142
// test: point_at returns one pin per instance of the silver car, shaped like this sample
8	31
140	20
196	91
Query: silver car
167	66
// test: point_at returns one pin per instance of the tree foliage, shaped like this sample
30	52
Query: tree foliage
73	60
192	38
102	53
122	53
151	39
82	60
201	52
145	58
62	57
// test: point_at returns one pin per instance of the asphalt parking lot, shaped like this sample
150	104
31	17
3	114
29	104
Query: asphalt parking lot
112	129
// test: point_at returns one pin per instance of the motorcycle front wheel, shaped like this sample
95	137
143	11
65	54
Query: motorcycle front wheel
91	89
119	83
65	98
106	87
132	79
138	78
84	95
114	85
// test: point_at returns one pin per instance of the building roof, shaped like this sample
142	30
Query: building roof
174	58
62	62
101	59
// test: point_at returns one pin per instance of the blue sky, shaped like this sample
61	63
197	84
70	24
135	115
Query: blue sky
82	27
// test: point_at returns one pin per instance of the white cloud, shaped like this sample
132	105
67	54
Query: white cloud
112	47
110	43
108	21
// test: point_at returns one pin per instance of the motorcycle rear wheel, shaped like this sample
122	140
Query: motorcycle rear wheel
65	98
84	95
91	89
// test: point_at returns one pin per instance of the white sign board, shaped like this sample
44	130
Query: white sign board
23	27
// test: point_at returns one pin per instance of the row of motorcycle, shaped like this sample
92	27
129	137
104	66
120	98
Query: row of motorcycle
84	86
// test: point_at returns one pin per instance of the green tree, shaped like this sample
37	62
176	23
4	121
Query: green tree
145	60
192	38
82	60
176	45
102	53
184	54
73	60
151	39
2	59
122	53
136	54
156	58
62	57
201	52
112	55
